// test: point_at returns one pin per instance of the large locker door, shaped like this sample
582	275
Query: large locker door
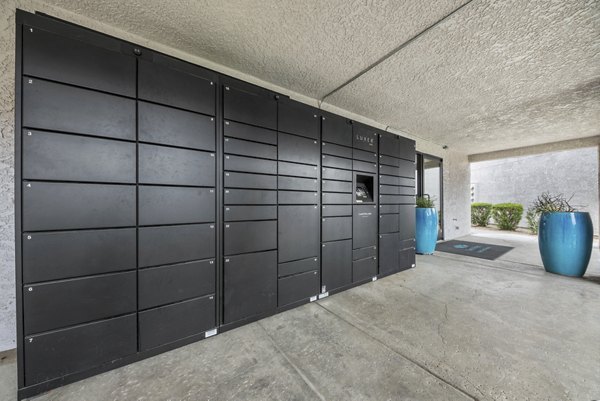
250	105
298	118
336	262
298	232
389	261
364	226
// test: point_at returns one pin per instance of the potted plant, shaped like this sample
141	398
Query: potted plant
565	235
426	225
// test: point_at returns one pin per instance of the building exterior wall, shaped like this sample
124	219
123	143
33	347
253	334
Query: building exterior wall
456	165
520	179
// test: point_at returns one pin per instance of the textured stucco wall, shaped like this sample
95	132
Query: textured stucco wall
456	166
521	179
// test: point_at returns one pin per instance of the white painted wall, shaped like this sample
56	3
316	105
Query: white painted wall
456	165
521	179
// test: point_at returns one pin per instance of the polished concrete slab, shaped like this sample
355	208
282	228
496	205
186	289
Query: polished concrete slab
454	328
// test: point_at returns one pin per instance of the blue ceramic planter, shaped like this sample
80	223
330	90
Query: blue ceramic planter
426	230
565	240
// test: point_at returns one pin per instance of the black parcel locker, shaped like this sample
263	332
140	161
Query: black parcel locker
159	202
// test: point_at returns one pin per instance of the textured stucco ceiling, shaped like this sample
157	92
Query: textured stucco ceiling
493	75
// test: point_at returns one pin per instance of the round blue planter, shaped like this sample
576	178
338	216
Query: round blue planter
426	230
565	240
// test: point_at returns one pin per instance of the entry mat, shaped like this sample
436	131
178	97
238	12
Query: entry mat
475	249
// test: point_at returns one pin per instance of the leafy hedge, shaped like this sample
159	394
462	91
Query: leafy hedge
507	215
480	213
533	220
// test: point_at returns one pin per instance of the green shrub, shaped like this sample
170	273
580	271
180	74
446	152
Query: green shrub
507	215
480	213
533	220
425	201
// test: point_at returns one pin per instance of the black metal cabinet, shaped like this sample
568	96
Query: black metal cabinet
336	264
170	166
364	226
250	105
299	287
173	322
173	244
60	255
53	305
297	149
53	156
175	83
249	236
298	118
57	107
64	206
298	232
167	284
59	353
250	285
64	59
169	126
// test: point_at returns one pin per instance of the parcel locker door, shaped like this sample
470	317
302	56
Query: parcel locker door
336	150
336	129
389	245
336	228
250	133
59	58
297	149
251	106
364	226
406	149
60	255
57	304
172	244
254	181
170	166
177	321
406	221
75	349
298	118
58	157
297	267
249	236
364	269
388	223
297	288
242	213
169	126
176	83
64	206
173	283
175	205
52	106
389	144
242	147
250	285
336	264
298	232
406	169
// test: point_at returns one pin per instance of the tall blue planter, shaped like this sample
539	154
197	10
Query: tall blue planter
565	240
426	230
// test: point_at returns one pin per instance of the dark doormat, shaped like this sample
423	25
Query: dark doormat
475	249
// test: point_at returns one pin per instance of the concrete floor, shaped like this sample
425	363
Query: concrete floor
454	328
